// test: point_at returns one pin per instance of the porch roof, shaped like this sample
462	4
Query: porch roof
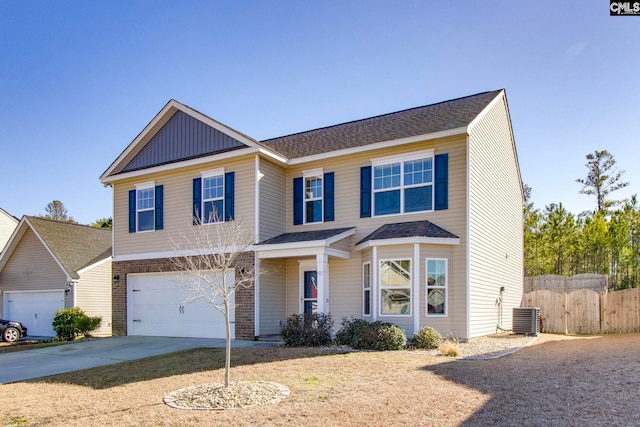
304	243
408	232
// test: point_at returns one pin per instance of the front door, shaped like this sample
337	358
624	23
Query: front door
310	292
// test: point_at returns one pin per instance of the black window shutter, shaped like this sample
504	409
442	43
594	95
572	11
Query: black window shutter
132	211
159	203
197	201
329	212
298	200
228	196
365	192
441	182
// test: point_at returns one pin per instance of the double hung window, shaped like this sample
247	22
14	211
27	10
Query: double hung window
313	198
403	184
213	198
145	204
366	289
436	287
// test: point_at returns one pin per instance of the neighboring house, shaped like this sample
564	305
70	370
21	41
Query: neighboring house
8	223
412	217
51	265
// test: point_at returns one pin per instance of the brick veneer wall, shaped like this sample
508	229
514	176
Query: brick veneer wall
244	298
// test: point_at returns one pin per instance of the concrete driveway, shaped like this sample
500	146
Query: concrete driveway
29	364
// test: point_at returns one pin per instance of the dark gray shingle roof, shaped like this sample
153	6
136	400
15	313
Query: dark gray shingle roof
305	236
408	229
75	246
432	118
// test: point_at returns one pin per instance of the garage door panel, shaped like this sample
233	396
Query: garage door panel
35	310
156	307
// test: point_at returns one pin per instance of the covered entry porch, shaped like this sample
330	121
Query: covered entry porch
296	275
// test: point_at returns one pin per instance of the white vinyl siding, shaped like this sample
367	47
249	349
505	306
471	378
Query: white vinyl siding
7	225
495	222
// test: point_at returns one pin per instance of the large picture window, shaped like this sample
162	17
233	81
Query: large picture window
437	283
366	289
395	287
403	185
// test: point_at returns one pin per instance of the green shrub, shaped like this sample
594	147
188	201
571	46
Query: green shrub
363	335
426	337
307	330
349	331
388	336
71	322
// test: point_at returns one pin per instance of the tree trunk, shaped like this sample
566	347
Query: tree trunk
227	356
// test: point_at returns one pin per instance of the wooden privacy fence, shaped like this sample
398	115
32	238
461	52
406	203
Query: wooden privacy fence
569	310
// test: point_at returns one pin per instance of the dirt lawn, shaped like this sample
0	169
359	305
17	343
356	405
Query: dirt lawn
559	380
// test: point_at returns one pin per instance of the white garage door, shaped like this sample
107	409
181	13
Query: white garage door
156	307
35	310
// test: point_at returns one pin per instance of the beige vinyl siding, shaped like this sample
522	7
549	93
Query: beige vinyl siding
31	268
454	323
93	295
347	190
273	294
178	205
272	203
7	225
495	222
345	289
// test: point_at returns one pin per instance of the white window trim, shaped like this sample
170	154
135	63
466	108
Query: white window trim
381	288
316	173
402	158
145	186
210	174
445	287
370	289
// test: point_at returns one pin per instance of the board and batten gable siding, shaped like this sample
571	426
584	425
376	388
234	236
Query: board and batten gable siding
271	181
31	268
495	222
178	205
93	295
272	299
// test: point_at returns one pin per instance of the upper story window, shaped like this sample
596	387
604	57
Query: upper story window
313	197
145	208
403	184
213	197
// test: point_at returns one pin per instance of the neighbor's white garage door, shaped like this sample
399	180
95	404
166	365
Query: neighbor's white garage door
156	307
35	310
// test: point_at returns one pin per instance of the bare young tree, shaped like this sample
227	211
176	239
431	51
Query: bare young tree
211	269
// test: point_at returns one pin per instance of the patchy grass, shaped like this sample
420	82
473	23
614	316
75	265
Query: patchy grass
566	378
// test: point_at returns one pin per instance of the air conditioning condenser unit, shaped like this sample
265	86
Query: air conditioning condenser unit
526	320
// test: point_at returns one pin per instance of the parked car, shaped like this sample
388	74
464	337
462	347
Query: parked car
12	331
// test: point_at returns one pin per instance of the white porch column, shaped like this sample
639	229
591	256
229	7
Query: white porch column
374	285
322	269
415	298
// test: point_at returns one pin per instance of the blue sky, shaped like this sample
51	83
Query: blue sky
79	80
